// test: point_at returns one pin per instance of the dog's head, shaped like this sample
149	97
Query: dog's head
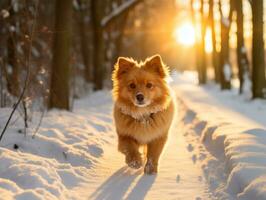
140	84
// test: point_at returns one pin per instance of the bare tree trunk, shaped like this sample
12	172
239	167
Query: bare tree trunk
13	77
144	37
197	44
97	8
258	62
215	61
225	66
120	25
84	36
97	11
242	59
59	88
202	53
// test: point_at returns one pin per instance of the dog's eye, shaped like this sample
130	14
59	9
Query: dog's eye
149	85
132	85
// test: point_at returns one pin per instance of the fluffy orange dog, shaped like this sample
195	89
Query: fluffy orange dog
143	109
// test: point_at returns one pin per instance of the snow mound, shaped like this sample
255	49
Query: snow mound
57	160
232	129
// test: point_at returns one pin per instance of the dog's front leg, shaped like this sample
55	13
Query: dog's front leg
153	154
130	148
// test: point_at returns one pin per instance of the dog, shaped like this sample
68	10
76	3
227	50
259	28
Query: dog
143	109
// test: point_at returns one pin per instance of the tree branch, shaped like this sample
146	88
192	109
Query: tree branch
28	59
125	7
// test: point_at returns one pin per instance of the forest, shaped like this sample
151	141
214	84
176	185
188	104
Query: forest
57	59
51	50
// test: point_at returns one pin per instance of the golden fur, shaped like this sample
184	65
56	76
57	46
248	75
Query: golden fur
146	123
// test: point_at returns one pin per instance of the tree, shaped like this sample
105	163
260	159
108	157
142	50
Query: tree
85	38
11	71
118	26
215	58
202	54
258	62
242	59
60	72
97	13
224	64
12	60
200	43
100	22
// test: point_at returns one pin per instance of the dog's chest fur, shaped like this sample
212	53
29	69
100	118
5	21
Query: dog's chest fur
144	128
145	120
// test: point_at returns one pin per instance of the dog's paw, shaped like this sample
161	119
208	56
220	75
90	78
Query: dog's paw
135	164
134	161
150	168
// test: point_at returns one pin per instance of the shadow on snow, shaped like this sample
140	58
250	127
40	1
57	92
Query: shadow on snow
120	182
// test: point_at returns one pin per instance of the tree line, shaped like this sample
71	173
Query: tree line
52	51
72	39
253	71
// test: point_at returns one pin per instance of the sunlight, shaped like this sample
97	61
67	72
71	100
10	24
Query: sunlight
185	34
208	41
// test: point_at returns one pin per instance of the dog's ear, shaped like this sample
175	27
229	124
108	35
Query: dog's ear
155	64
123	65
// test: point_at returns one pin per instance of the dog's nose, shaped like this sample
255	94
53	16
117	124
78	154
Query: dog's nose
140	97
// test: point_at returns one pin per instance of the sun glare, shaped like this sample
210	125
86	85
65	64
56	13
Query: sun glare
208	41
185	34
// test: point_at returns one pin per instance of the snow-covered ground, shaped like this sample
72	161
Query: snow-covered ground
215	151
61	155
233	130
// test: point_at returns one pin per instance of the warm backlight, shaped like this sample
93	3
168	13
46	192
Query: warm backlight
185	34
208	41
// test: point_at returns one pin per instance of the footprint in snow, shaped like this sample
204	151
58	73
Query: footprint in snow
185	133
190	147
194	158
200	178
178	178
202	156
95	150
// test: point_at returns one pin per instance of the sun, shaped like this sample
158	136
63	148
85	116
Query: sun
185	34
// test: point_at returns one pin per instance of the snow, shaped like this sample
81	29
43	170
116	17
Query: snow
226	22
12	28
234	132
15	5
227	72
247	84
5	13
117	11
216	150
35	52
58	158
243	49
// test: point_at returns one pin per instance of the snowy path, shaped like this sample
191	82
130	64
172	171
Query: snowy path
216	150
228	106
180	176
